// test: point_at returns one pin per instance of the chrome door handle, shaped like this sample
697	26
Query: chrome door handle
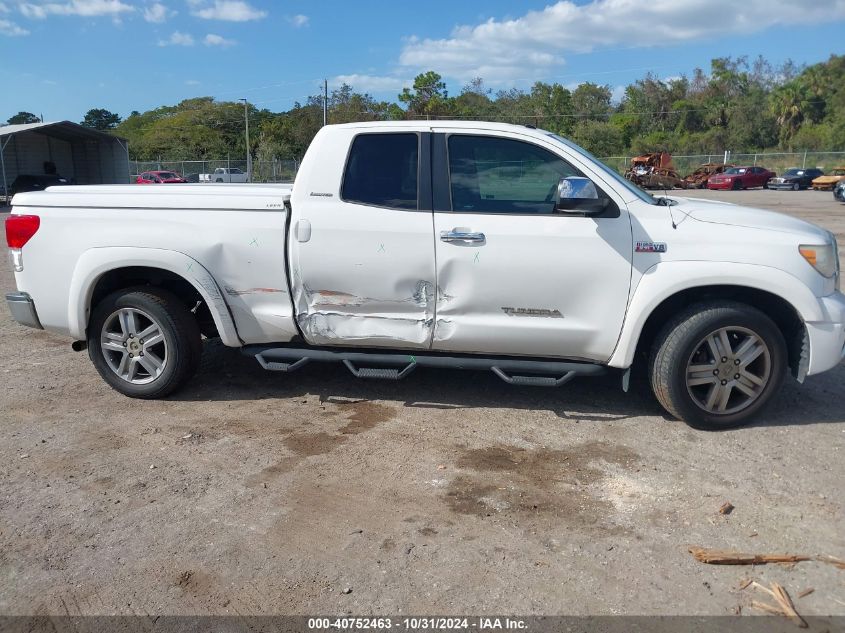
462	236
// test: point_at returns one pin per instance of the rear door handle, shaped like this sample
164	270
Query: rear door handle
461	235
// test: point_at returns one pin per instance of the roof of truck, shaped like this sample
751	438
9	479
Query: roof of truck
425	124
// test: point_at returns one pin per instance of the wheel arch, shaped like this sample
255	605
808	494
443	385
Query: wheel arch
784	315
103	270
788	302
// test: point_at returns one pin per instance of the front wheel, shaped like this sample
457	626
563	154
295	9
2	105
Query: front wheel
144	342
717	365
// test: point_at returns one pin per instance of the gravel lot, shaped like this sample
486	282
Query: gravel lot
448	493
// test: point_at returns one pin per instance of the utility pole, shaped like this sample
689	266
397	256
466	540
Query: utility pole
248	154
325	101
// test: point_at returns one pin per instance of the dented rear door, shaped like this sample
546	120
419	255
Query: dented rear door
361	241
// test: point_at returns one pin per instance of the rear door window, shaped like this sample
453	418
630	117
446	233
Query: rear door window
383	171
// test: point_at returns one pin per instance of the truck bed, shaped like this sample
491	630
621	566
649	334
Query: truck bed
233	232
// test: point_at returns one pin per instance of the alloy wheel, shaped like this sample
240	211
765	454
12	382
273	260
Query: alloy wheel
134	346
728	370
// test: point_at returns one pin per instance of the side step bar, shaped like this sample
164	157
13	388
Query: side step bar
395	366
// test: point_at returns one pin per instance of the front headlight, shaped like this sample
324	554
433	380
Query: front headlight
823	258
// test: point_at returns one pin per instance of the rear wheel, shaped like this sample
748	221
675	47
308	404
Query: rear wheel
717	365
144	342
737	185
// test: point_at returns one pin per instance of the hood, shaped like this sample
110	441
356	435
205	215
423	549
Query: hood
729	214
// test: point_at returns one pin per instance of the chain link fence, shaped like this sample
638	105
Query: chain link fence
276	170
775	161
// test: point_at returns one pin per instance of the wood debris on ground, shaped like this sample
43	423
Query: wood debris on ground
806	592
727	508
784	606
730	557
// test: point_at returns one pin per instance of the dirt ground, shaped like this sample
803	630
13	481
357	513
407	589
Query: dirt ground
448	493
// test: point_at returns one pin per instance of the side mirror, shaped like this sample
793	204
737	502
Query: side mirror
576	194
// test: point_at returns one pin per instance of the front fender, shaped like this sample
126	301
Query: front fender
95	262
665	279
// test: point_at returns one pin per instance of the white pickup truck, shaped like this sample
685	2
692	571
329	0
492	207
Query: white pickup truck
451	244
225	174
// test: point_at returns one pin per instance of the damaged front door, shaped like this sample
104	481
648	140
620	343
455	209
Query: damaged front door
362	253
514	276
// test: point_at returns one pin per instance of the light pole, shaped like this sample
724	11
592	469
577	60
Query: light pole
248	154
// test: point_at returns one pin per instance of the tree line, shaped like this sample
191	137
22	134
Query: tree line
742	105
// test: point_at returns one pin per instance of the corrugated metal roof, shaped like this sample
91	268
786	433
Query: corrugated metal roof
61	129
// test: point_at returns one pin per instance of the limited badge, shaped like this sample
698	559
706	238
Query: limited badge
651	247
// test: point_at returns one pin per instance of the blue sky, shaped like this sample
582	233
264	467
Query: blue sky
62	57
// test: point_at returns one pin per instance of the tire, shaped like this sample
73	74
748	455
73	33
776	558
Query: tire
736	186
170	355
796	187
683	344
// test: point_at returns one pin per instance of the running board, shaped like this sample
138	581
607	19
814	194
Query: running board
396	366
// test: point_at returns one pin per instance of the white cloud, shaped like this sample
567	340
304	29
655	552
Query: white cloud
192	82
178	39
298	20
617	93
157	13
84	8
11	29
218	40
504	50
372	83
228	10
4	8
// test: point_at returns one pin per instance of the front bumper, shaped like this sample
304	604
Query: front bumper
827	338
720	185
784	185
23	309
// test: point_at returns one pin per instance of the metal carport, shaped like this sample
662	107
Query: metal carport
80	154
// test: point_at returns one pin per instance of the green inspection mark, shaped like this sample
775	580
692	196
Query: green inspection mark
254	242
190	266
476	258
381	248
412	359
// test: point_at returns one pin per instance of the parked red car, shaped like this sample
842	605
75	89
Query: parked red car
154	177
740	178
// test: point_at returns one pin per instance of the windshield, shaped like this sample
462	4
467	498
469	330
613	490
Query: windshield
793	172
167	175
624	182
736	170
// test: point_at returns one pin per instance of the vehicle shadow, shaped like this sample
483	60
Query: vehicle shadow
228	375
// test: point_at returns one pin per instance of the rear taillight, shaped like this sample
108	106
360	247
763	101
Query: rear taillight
20	229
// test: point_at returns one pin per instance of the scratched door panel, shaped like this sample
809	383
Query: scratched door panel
362	269
365	277
542	286
513	275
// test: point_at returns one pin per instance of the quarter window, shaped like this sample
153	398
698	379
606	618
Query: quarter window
382	171
499	175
